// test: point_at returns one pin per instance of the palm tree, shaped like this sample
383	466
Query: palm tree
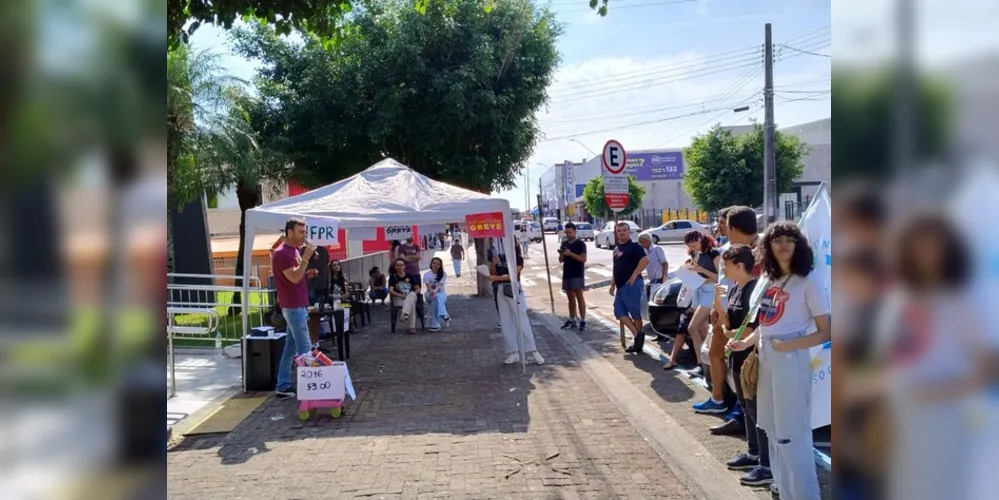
198	106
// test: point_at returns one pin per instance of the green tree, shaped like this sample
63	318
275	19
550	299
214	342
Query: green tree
863	112
322	17
452	93
724	170
593	197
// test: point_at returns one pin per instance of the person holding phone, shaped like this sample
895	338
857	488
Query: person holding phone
290	272
572	255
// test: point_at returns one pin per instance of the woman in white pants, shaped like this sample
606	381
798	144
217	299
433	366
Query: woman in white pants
435	281
792	299
509	306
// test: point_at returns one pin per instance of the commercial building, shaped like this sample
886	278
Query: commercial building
661	172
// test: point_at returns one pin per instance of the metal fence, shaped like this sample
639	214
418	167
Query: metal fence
649	217
794	209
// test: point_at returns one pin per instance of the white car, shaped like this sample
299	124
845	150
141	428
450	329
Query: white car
584	231
533	230
674	230
605	237
550	224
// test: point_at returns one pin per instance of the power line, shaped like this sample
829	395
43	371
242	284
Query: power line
671	133
677	117
652	83
806	52
689	103
670	67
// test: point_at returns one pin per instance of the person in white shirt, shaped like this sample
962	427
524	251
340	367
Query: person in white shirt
435	280
792	301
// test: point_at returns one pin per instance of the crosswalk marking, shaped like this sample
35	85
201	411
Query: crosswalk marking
601	271
555	279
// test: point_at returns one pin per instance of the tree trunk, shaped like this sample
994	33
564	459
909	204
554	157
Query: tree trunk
248	197
485	287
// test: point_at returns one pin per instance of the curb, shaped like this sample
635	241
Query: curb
823	460
706	479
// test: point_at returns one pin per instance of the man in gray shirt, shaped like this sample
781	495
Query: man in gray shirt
658	266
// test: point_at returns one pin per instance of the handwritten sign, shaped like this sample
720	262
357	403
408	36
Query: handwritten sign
398	232
322	382
322	231
487	225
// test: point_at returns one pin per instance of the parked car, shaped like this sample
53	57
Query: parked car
550	224
605	237
533	229
674	230
664	317
584	231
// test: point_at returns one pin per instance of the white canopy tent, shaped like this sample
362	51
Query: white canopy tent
386	194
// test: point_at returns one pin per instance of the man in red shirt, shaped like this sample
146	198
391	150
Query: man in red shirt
290	272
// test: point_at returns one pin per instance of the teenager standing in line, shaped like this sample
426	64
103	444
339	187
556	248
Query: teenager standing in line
792	300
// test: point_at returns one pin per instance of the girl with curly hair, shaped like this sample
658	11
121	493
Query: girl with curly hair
792	300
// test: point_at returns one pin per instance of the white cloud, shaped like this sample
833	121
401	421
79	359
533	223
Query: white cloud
569	113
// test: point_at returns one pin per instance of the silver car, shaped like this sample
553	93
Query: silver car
674	230
584	231
605	237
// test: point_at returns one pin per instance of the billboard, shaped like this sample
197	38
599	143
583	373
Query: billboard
655	166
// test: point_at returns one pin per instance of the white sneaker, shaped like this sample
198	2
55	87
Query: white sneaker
512	358
538	359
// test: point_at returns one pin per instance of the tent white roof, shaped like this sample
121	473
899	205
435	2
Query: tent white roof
386	194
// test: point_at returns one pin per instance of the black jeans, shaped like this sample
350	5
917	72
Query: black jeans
756	438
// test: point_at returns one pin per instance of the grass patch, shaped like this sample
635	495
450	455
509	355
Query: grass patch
229	326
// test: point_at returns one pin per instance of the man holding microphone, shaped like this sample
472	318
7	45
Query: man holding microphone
290	271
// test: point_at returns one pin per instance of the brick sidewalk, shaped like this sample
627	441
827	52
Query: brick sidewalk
671	391
437	416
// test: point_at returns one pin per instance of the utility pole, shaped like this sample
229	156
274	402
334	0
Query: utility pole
544	250
769	154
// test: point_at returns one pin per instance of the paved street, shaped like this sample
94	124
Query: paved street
439	416
599	263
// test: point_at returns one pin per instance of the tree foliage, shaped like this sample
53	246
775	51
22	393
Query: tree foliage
724	170
863	112
322	17
593	196
451	92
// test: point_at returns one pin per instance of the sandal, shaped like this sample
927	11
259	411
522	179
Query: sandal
670	366
411	332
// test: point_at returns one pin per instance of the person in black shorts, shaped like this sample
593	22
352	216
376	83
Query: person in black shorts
572	255
739	262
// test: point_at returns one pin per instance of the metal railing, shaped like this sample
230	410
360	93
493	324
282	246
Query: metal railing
212	318
198	311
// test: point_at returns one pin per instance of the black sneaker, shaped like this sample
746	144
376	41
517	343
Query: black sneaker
743	462
569	324
757	476
284	393
582	326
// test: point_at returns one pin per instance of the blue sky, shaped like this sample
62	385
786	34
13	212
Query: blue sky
674	68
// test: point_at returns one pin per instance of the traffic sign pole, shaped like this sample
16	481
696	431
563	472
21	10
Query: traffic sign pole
615	161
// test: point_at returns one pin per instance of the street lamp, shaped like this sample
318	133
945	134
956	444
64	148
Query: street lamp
584	146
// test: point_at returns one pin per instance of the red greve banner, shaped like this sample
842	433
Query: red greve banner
487	225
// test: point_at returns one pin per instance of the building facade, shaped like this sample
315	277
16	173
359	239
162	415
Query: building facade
661	172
